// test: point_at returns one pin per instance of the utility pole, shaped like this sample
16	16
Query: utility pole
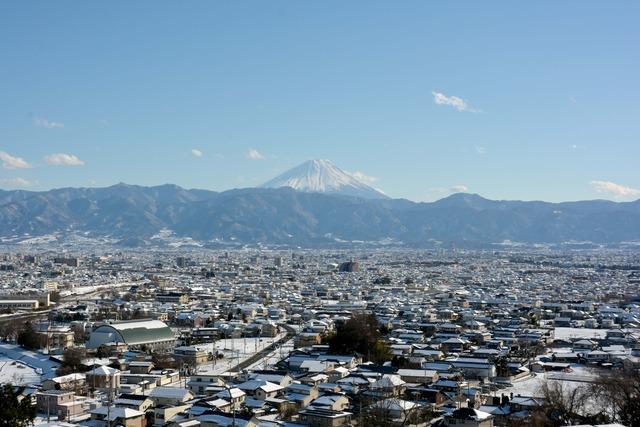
109	406
233	405
234	411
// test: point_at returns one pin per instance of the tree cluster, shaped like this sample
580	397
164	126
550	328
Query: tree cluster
28	337
10	329
361	334
384	280
72	361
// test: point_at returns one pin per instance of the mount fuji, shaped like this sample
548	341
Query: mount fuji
322	176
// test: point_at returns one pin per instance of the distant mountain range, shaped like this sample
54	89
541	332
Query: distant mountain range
137	216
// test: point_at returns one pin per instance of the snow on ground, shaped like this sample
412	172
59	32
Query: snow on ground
83	290
530	387
274	357
47	238
235	351
168	237
38	361
17	373
569	333
45	421
580	376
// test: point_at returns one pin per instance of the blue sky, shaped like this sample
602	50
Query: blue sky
511	100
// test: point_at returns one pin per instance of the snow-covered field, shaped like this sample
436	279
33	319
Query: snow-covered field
274	357
568	333
40	363
579	376
235	351
17	373
82	290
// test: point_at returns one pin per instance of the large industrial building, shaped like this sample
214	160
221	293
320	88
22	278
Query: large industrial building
151	334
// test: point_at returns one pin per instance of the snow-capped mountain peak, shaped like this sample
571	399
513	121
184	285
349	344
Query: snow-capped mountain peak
322	176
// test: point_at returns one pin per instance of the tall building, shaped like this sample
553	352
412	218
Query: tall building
349	267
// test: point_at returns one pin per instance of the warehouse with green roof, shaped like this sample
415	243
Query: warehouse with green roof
152	334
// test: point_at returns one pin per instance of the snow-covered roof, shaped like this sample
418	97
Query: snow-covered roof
117	412
388	381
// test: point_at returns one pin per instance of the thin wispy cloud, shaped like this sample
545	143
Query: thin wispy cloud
617	191
363	177
436	193
196	153
253	154
16	182
42	122
453	101
63	159
480	150
12	162
459	189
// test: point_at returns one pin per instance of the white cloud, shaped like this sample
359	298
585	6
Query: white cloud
16	182
11	162
480	150
196	153
437	193
453	101
459	189
364	178
41	122
62	159
253	154
614	190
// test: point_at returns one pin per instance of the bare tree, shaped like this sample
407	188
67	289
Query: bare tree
564	405
72	361
6	331
79	334
620	391
163	360
9	329
394	411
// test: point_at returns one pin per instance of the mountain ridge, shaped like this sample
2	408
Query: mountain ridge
285	216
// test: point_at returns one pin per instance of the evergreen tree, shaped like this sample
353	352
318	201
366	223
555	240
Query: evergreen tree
361	334
15	412
28	338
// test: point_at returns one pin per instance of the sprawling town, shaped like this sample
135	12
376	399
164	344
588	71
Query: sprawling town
251	337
